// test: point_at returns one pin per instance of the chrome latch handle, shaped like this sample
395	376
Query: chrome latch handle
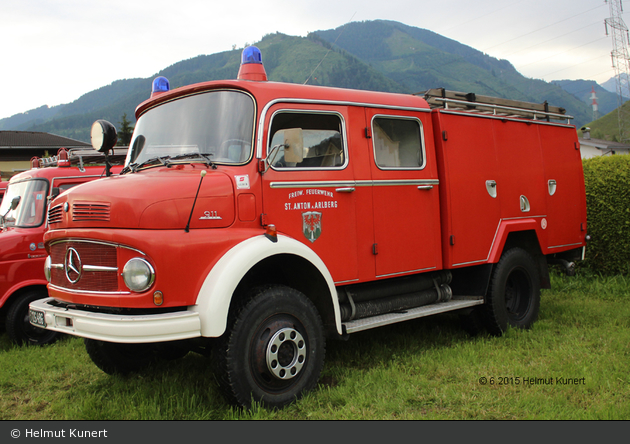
491	187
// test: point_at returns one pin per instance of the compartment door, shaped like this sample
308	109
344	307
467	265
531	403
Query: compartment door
405	193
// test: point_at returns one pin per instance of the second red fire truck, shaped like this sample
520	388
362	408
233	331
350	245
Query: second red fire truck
259	219
22	226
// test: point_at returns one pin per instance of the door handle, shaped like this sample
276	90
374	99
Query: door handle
425	187
345	190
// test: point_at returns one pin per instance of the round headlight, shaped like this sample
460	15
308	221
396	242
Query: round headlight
138	274
47	267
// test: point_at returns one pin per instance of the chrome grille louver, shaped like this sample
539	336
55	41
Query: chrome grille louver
54	214
94	266
90	212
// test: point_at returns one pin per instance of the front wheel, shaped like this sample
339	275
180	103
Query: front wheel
18	326
514	295
274	351
121	359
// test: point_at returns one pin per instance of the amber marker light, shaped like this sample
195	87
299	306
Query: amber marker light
271	233
158	298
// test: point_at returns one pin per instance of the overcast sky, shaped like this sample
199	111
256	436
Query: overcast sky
54	51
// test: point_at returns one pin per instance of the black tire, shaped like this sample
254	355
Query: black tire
172	350
273	351
120	359
514	295
472	322
18	326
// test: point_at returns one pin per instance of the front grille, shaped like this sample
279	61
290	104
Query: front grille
92	257
54	214
90	212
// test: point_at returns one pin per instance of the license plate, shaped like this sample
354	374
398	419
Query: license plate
36	318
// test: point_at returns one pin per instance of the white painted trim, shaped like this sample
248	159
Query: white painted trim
213	300
120	328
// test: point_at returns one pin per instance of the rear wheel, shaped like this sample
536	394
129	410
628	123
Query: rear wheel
514	295
274	349
18	326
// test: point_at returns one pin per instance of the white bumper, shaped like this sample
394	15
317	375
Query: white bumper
120	328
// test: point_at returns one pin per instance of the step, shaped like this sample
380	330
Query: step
456	303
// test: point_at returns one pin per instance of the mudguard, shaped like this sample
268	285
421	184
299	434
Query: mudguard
213	300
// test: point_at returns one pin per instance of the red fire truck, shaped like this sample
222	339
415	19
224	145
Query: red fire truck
258	219
22	227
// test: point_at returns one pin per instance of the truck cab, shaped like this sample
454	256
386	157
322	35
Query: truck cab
258	219
23	221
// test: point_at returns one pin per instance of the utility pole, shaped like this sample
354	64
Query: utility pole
620	58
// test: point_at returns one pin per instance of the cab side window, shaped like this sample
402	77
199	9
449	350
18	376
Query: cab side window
306	140
398	143
66	186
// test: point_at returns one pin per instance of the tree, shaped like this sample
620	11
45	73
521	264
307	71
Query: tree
125	132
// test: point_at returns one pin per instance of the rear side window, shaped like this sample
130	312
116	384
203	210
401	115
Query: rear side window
306	140
398	143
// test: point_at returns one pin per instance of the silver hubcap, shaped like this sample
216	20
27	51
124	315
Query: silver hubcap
286	353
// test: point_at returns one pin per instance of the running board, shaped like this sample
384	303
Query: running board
391	318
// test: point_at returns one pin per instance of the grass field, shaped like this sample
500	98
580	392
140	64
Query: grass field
572	365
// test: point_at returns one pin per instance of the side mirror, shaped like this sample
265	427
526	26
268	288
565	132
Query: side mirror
55	193
15	202
293	145
103	135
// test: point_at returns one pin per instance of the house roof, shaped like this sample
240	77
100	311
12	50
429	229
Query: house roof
604	144
33	139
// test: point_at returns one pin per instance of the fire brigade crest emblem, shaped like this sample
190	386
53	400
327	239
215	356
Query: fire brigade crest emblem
312	225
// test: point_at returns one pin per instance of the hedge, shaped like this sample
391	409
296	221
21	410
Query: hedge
607	181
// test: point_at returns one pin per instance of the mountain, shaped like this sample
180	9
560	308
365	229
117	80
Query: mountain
31	117
606	100
420	59
610	85
376	55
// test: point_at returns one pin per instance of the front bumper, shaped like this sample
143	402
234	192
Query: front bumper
120	328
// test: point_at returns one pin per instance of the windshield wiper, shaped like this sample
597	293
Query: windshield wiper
166	161
204	156
133	167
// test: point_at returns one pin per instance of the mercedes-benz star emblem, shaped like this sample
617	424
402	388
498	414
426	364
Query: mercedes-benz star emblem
73	265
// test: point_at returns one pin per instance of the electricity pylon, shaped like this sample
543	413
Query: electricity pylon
594	104
620	58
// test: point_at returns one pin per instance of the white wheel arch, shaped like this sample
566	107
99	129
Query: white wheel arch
215	295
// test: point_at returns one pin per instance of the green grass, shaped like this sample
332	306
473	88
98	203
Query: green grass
424	369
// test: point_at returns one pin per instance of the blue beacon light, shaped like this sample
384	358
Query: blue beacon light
251	54
251	65
160	85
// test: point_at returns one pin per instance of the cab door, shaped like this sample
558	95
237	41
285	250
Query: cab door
405	193
309	190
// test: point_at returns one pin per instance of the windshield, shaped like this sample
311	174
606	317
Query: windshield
31	208
218	125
